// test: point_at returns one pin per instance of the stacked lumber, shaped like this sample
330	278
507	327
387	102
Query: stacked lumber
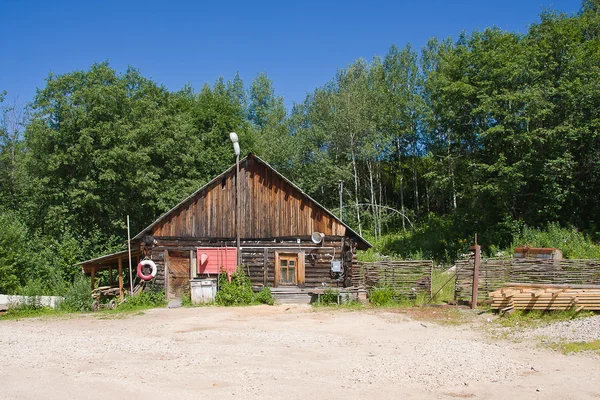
523	296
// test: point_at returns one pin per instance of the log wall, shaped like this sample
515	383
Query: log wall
494	272
258	256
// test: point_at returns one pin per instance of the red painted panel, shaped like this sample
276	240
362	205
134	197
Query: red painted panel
211	260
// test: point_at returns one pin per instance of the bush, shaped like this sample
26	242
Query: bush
330	296
265	296
148	298
78	297
382	296
571	242
235	293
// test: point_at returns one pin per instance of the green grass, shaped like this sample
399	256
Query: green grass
19	313
442	284
535	318
350	305
570	241
577	347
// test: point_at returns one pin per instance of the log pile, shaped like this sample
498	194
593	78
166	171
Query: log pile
546	297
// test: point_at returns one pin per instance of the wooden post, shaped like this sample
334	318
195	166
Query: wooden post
265	267
237	208
120	270
476	263
93	277
192	258
167	274
129	252
110	275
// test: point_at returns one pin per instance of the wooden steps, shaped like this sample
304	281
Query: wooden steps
520	296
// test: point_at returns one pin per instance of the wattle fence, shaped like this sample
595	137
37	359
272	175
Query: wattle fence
405	277
494	272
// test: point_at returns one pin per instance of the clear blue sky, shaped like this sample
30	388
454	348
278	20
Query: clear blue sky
300	45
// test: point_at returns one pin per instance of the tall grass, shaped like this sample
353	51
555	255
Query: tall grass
442	286
570	241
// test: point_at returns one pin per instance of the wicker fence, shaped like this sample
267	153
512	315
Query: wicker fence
405	277
494	272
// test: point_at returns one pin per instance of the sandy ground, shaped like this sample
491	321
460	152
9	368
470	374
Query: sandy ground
280	352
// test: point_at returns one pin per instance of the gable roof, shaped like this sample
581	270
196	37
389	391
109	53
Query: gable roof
363	244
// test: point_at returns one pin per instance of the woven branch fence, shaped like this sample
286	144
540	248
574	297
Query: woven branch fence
405	277
494	272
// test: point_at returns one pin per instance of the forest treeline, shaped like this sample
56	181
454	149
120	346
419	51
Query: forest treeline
487	133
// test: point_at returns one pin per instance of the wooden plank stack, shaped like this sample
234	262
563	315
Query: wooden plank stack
546	297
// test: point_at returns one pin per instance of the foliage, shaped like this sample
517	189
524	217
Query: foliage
382	296
15	261
442	286
238	292
487	134
264	296
330	296
148	298
571	242
577	347
534	318
78	297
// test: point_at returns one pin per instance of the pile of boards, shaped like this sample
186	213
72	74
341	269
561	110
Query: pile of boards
523	296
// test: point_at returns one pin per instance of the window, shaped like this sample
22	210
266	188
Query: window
287	270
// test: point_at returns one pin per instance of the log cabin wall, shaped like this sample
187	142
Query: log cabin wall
258	256
159	259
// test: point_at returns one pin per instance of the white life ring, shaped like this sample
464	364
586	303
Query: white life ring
140	272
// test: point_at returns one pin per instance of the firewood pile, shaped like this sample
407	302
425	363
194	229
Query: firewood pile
545	297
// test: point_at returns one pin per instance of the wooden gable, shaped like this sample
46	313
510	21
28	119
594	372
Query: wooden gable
271	207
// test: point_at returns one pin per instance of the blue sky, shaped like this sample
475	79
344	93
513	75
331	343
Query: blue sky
300	45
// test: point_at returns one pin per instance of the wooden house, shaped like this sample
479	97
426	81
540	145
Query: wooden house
280	228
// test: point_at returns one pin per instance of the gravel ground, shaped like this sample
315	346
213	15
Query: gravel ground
277	352
577	330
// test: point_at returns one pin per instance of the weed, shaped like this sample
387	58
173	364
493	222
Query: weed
576	347
382	296
535	318
235	293
264	296
443	284
149	298
330	296
78	297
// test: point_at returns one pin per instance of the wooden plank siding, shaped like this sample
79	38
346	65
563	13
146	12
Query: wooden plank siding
270	207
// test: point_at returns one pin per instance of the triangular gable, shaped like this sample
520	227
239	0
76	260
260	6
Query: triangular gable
173	213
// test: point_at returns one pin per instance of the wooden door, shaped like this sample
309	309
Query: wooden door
179	275
289	269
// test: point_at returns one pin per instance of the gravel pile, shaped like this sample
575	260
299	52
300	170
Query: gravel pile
577	330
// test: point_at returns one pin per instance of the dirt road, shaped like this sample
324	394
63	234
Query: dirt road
281	352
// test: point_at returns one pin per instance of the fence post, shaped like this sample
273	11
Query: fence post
476	263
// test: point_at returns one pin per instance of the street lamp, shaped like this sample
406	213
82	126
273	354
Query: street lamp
236	148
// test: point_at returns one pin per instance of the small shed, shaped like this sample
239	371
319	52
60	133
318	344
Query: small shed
287	239
547	253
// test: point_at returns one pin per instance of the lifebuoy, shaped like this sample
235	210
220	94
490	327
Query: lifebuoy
140	267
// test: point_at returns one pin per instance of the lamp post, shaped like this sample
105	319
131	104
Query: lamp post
236	148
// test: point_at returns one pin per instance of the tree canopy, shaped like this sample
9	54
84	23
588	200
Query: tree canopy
487	133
